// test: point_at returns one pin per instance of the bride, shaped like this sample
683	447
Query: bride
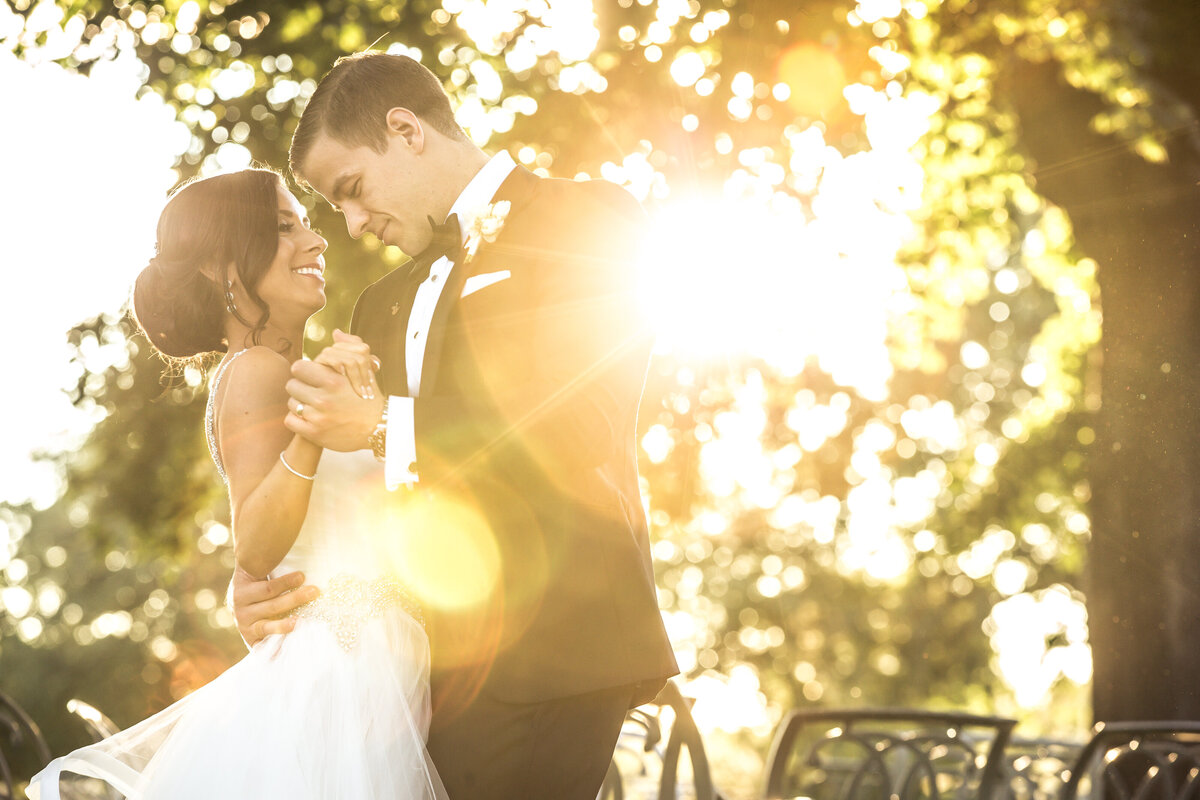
338	708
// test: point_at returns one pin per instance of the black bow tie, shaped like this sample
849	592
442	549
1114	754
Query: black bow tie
446	241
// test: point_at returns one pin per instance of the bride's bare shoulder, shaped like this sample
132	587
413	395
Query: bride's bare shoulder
255	375
260	357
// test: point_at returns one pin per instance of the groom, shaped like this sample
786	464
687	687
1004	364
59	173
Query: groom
513	359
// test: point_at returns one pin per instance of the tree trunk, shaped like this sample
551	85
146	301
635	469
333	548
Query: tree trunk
1141	223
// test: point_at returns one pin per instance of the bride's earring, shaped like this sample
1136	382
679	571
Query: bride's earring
229	305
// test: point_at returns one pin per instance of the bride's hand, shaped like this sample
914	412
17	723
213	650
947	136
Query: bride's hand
260	606
351	356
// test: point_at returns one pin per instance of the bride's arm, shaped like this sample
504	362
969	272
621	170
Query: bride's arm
268	501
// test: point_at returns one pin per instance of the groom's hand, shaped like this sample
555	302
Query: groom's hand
260	606
324	408
351	356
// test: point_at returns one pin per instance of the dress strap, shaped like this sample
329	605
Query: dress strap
210	414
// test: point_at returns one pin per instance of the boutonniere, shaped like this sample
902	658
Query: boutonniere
486	227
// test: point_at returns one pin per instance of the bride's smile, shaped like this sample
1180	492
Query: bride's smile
293	286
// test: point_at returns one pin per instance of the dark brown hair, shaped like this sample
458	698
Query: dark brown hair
210	229
353	99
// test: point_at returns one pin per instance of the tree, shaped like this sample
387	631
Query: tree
1104	98
1127	173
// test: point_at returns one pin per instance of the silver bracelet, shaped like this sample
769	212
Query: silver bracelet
292	470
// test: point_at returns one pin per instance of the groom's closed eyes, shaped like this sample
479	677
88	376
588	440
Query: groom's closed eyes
347	187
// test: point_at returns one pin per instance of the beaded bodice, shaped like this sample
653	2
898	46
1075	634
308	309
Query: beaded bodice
348	602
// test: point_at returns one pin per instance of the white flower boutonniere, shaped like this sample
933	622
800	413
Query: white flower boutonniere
486	227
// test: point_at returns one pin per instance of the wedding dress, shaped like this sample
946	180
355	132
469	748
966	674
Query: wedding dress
339	708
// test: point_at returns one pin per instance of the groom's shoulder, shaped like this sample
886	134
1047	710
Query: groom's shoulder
590	196
390	282
382	291
584	213
582	218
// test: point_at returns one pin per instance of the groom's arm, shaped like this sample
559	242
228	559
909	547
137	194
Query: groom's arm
263	607
397	417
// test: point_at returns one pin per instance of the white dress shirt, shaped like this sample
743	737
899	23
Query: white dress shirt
400	461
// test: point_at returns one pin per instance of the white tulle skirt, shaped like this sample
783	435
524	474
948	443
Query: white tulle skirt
309	715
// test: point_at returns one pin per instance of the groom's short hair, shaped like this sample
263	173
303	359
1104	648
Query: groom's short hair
353	99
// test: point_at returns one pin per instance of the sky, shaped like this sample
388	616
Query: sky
86	168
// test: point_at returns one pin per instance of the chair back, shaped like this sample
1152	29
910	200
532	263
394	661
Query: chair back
644	765
886	754
1158	760
23	750
98	726
1037	769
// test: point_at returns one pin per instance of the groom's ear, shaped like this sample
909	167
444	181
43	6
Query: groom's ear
407	126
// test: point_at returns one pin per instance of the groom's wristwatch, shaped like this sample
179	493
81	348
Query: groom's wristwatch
377	439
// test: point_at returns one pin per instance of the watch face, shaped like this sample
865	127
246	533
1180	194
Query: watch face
377	440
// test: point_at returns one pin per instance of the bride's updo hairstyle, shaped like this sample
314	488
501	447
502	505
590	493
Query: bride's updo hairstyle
211	231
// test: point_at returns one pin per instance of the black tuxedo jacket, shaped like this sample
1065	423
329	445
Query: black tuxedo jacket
525	430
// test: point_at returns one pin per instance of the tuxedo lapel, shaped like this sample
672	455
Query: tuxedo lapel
517	189
393	376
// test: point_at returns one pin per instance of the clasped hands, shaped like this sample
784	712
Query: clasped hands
335	399
335	402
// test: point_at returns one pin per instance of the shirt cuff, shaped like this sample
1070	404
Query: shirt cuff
400	458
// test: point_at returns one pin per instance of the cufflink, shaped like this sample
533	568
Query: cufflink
412	468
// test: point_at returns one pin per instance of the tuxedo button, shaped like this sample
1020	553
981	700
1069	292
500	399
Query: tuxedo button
433	277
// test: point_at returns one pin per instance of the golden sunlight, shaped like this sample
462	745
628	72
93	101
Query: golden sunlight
456	569
82	197
814	77
1039	638
754	271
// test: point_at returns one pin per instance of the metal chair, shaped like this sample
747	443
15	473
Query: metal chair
643	766
1158	760
1037	769
886	754
98	725
23	749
